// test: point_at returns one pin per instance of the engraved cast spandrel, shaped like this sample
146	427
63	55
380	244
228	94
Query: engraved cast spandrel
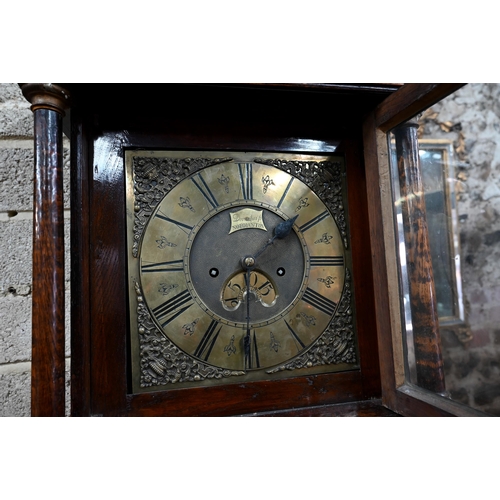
336	344
323	177
153	178
161	362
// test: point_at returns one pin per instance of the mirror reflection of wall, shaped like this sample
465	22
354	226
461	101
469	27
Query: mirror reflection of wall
437	164
459	150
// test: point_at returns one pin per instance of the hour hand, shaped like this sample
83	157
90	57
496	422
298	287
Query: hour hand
246	339
282	230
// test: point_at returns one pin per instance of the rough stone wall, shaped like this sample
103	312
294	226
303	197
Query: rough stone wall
16	227
471	119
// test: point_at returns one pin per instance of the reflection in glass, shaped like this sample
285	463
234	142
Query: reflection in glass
436	161
425	362
460	166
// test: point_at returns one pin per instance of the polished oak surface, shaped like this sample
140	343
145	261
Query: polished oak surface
48	364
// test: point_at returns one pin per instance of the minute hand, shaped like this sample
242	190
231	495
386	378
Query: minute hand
282	230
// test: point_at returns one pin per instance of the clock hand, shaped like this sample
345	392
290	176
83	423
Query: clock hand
282	230
246	339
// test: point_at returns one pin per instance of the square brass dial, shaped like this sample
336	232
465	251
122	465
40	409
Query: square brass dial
239	267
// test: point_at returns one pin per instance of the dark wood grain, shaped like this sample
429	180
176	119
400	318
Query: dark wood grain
80	269
362	267
410	100
341	88
369	408
196	112
235	399
108	296
424	313
408	406
382	317
48	364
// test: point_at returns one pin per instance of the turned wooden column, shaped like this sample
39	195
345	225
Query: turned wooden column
48	103
427	342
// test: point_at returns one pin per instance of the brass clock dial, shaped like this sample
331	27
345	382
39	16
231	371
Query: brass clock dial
239	269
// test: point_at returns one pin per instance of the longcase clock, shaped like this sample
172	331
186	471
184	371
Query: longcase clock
229	257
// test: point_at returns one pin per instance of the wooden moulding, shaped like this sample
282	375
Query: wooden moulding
80	263
48	326
410	100
383	243
46	96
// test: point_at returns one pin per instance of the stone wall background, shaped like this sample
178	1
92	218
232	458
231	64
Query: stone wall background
16	226
471	119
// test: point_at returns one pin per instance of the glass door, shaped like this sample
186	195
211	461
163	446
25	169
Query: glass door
431	152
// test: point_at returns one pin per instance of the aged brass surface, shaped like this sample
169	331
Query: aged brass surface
214	298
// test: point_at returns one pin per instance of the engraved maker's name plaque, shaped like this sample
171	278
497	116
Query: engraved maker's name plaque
248	218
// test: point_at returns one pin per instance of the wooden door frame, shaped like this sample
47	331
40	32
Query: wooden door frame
397	394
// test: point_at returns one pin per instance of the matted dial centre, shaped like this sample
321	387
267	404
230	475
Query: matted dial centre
215	246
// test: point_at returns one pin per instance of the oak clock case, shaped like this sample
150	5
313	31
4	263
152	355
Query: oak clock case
239	268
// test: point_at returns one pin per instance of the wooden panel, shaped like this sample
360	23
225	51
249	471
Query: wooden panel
237	399
108	278
362	268
412	401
